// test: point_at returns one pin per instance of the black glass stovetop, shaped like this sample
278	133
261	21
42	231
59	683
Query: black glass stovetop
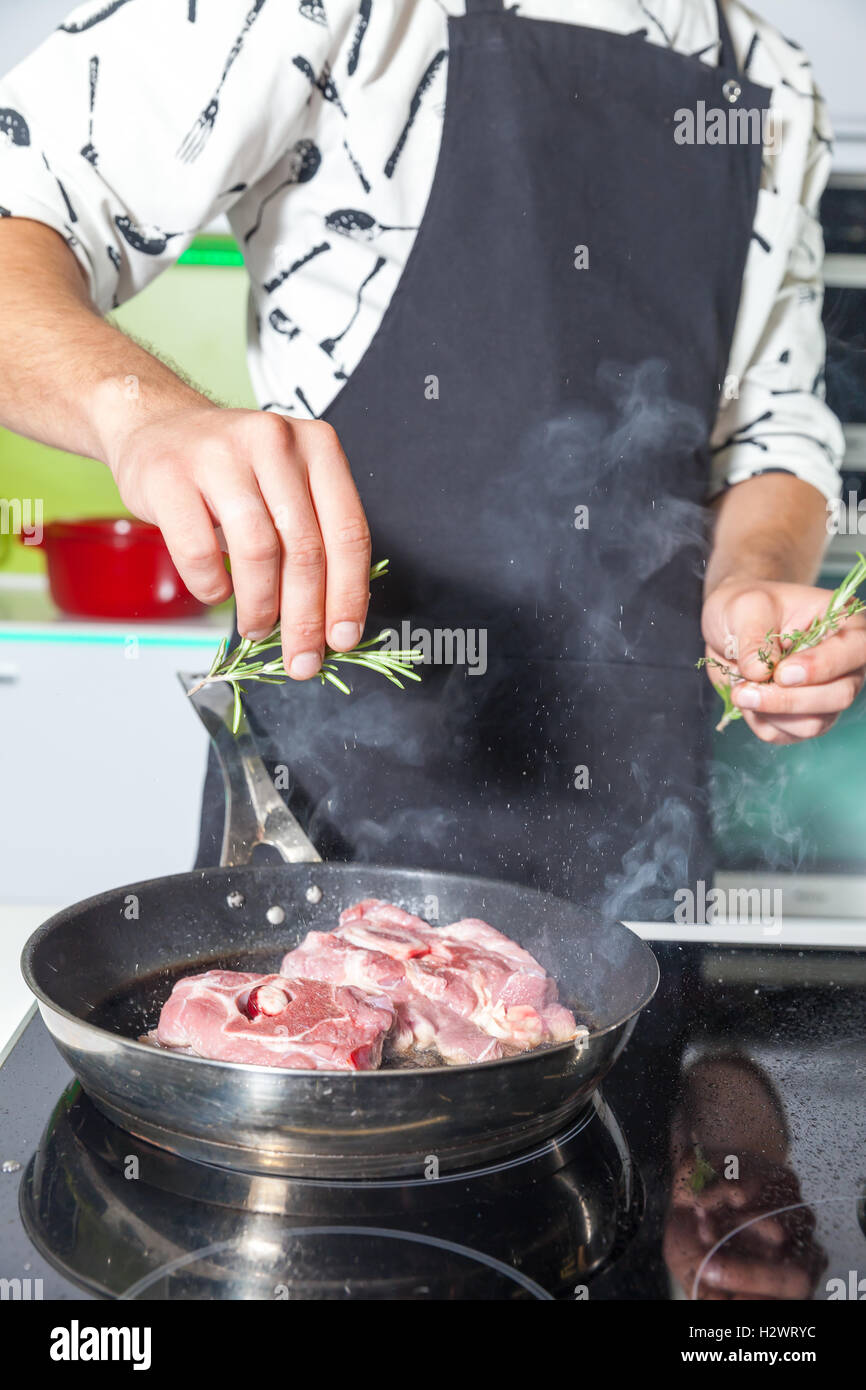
727	1158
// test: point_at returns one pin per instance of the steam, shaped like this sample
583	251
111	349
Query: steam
319	724
757	801
434	826
587	455
654	866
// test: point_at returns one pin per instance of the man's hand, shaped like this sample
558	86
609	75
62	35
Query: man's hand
811	688
280	490
759	1229
282	494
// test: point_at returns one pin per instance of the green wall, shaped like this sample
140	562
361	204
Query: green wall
194	314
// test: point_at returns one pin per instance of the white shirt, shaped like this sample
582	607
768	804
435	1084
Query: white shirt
325	105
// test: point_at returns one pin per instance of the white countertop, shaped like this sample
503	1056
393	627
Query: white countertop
17	922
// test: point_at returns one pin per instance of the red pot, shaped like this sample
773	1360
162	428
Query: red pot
114	567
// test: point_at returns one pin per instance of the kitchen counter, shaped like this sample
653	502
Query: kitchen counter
102	782
26	607
17	922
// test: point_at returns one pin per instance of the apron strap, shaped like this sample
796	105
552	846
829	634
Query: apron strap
727	56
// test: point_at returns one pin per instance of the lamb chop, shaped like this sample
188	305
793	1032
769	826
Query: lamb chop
466	989
267	1020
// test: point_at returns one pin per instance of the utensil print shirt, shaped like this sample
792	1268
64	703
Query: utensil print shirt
315	126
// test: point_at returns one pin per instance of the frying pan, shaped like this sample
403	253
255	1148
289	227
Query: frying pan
101	970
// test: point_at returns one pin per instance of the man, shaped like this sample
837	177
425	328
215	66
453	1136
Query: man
602	313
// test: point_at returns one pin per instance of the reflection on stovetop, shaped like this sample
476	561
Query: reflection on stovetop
751	1145
737	1112
125	1219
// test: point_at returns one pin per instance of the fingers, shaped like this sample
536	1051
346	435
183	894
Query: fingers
302	589
325	580
347	542
303	566
750	616
842	654
783	715
782	1279
281	493
254	550
782	730
821	700
804	693
189	534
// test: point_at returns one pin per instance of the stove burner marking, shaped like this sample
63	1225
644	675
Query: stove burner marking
451	1247
753	1221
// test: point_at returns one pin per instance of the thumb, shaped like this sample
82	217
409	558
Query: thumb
749	617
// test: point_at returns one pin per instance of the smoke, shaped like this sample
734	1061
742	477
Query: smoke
653	867
319	724
593	453
633	459
632	456
432	826
755	804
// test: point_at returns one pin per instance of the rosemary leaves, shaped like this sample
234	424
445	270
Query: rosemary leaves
248	661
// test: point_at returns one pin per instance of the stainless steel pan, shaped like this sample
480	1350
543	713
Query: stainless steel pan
101	970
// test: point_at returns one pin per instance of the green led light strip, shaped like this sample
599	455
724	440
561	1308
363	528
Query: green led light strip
106	639
212	250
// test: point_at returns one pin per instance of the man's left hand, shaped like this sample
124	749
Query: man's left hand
809	689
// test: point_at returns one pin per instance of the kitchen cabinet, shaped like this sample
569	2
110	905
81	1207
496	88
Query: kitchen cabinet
103	757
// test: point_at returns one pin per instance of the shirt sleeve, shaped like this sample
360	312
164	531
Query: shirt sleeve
773	415
138	121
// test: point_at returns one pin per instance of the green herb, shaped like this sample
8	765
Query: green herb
843	604
248	662
704	1172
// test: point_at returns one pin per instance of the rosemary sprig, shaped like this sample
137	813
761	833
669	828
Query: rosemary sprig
248	662
843	604
703	1173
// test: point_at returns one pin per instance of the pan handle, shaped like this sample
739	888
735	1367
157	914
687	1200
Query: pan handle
255	812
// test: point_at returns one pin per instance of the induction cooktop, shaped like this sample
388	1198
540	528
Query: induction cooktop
725	1158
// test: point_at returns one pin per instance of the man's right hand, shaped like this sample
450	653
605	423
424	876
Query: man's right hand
282	494
280	490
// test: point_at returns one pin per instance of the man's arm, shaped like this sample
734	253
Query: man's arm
280	490
771	525
770	534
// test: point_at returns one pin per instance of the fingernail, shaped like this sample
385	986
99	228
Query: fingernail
259	634
345	635
305	664
790	674
748	698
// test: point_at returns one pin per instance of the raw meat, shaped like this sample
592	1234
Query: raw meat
267	1020
464	989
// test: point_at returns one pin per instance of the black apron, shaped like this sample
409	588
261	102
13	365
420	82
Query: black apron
529	434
